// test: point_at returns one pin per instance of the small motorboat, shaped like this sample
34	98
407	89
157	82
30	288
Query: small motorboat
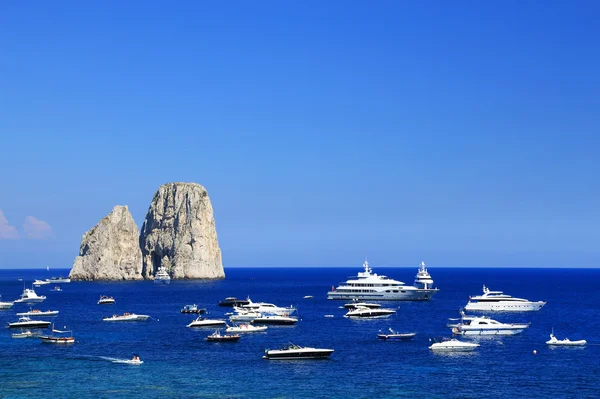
232	301
202	322
193	309
134	361
26	334
245	328
26	322
218	337
308	297
106	300
565	342
56	289
37	312
453	345
275	320
127	317
296	352
396	336
58	337
363	312
354	305
37	283
29	296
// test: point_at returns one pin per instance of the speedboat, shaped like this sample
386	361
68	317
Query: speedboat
218	337
37	283
193	309
275	320
58	280
56	289
483	325
4	304
244	316
245	328
29	296
26	334
231	301
371	286
58	337
500	302
354	305
127	317
264	307
362	312
162	276
308	297
396	336
293	352
565	342
453	345
202	322
37	312
26	322
106	300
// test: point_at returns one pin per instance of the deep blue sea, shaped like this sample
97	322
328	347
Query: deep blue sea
179	363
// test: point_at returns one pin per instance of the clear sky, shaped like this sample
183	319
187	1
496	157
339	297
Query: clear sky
460	133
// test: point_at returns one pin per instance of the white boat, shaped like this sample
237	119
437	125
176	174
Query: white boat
308	297
202	322
264	307
29	296
127	317
218	337
58	280
245	328
354	305
26	322
395	336
244	316
295	352
497	301
565	342
453	345
362	312
56	289
106	300
162	276
483	325
26	334
5	304
37	312
135	362
371	286
58	337
37	283
275	320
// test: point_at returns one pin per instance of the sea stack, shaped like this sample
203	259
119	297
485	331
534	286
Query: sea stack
110	250
179	234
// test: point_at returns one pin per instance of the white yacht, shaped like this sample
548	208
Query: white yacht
106	300
29	296
37	312
275	320
371	286
4	304
564	342
483	325
26	322
293	352
162	276
37	283
58	280
499	302
245	316
264	307
127	317
453	345
202	322
363	312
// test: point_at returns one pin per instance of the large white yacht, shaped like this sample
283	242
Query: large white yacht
371	286
162	276
497	301
264	307
29	296
483	325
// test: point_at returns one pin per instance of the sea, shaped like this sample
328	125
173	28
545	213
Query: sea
179	363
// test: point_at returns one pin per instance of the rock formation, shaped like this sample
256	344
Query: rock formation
110	250
179	234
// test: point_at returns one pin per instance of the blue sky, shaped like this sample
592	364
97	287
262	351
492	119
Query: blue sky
458	133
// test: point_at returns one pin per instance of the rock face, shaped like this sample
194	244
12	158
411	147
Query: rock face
110	250
179	234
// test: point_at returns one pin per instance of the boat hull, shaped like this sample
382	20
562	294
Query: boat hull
57	340
278	321
213	323
396	337
298	355
505	306
39	324
31	300
486	331
403	295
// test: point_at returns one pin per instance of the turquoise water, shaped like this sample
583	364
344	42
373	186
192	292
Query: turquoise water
179	363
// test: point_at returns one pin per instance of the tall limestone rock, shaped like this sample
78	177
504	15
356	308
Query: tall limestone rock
110	250
179	234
